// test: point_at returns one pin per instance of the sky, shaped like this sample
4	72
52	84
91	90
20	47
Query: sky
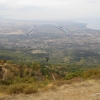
49	9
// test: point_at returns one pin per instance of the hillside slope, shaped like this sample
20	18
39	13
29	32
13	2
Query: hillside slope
85	90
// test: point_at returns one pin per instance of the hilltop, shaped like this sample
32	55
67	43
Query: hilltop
48	83
83	90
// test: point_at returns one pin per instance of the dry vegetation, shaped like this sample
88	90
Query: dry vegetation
83	90
25	83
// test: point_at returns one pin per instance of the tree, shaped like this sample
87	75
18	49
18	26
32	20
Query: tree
35	66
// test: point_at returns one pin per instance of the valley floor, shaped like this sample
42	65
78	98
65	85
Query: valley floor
85	90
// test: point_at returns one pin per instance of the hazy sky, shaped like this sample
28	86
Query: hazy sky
49	9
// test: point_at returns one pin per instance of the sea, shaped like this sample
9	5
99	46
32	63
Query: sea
91	23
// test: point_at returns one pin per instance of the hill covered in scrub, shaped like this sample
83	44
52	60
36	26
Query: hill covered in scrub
83	90
36	77
49	83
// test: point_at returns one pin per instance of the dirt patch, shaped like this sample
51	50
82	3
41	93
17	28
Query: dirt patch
5	72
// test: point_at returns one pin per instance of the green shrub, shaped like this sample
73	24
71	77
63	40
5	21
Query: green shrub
30	89
5	82
91	73
22	88
3	88
16	89
72	75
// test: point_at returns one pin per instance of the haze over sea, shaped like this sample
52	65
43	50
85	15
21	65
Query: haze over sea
91	23
94	25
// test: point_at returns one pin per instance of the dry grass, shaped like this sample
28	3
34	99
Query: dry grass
49	87
91	73
3	96
85	90
22	88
